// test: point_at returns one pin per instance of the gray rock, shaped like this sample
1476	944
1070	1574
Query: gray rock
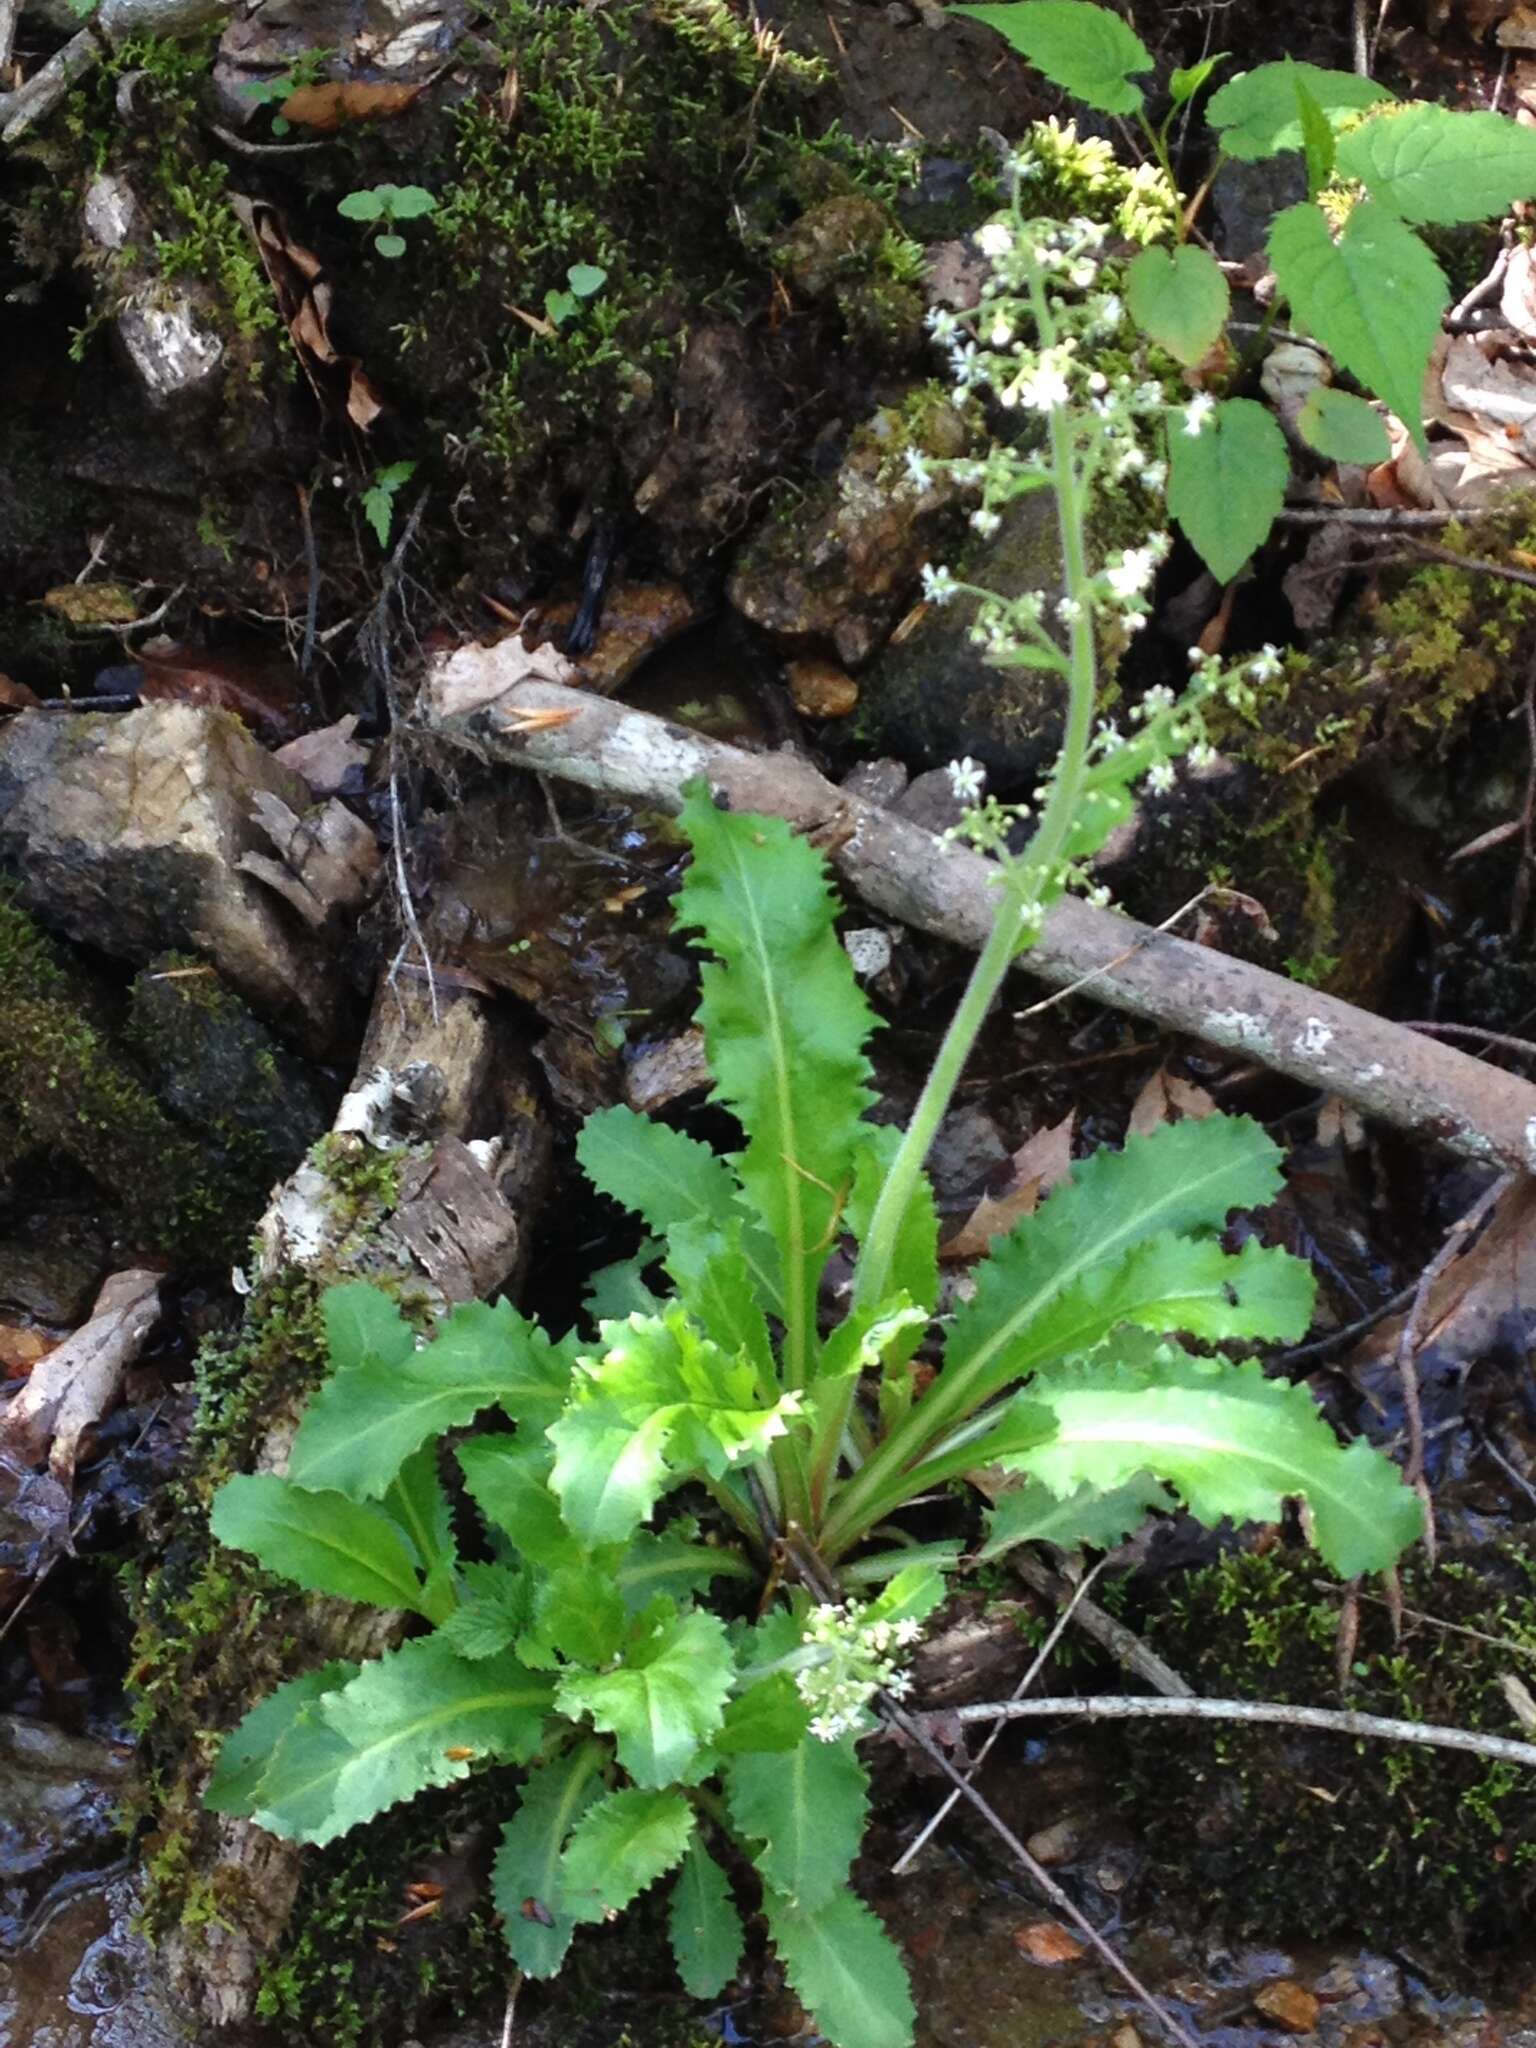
126	833
1246	198
173	352
931	698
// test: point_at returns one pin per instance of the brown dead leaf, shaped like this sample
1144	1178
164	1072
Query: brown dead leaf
21	1348
1047	1942
262	688
304	299
1041	1163
473	676
76	1385
335	103
16	696
1164	1099
326	758
328	860
1288	2004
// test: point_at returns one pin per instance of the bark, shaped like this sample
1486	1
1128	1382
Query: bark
1417	1084
425	1083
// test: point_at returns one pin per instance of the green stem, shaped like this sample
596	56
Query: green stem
1026	882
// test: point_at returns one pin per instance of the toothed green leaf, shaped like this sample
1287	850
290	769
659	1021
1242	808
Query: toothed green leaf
1226	483
249	1745
704	1925
844	1968
508	1480
493	1613
320	1541
1089	52
416	1717
1231	1443
369	1417
1180	298
666	1696
785	1025
620	1846
1032	1513
1436	165
526	1880
807	1807
1373	298
1257	114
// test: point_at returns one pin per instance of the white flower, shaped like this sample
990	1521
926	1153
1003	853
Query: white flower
1001	334
1083	274
918	472
1197	412
1134	621
1130	576
938	585
1155	476
1097	382
967	779
985	521
1160	778
995	239
1266	664
1041	390
1099	897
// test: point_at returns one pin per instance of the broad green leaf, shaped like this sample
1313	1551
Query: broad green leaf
578	1613
880	1336
365	205
915	1255
704	1925
1230	1441
1182	1177
909	1595
844	1968
390	245
1319	145
785	1024
807	1806
1343	427
1227	478
1180	298
492	1615
664	1176
249	1745
620	1846
724	1292
366	1420
769	1715
1089	52
416	1501
1031	1513
622	1289
1175	1284
673	1560
508	1480
364	1327
1435	165
1257	115
320	1541
408	202
1183	84
417	1717
585	279
666	1696
525	1880
1373	298
660	1403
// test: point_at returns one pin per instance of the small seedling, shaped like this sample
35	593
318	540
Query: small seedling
386	206
585	280
378	501
305	69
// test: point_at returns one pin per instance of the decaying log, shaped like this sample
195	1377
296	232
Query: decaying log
1414	1083
447	1089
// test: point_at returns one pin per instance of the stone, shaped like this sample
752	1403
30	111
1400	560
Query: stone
126	834
1288	2004
821	689
930	697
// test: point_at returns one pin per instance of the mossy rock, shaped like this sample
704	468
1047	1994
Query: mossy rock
1296	1833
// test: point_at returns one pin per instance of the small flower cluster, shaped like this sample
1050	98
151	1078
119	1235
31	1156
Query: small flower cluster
853	1658
1068	173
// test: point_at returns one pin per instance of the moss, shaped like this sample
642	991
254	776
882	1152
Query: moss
1297	1833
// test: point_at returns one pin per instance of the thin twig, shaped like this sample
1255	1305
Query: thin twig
1121	1643
1455	1240
1417	1615
1500	1040
312	572
1431	553
1388	519
1517	1477
973	1768
1336	1340
1330	1720
1087	980
511	2012
913	1729
1485	289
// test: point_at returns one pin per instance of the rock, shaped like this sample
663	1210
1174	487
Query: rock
1047	1942
1288	2004
930	697
637	619
127	833
1245	198
48	1277
58	1813
821	689
836	569
930	801
833	255
171	348
699	481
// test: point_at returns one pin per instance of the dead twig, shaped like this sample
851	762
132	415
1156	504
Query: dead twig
1122	1643
1501	1041
1267	1713
915	1732
1412	1082
1037	1664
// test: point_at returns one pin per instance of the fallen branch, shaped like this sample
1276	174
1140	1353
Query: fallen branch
1331	1720
1412	1082
113	23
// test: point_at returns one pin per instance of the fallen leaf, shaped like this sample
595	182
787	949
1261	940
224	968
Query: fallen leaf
1046	1941
473	676
1288	2004
1164	1099
335	103
304	298
1041	1163
21	1347
262	688
76	1385
328	863
327	757
93	604
16	696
